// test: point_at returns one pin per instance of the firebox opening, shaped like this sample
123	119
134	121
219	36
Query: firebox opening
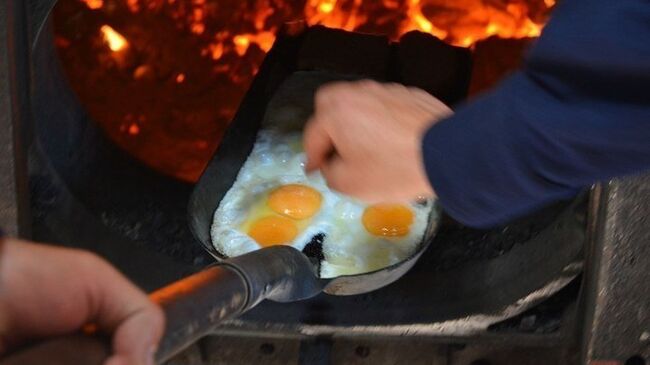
163	78
138	216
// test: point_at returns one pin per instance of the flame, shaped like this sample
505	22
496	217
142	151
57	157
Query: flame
116	42
458	22
415	20
263	39
335	14
233	37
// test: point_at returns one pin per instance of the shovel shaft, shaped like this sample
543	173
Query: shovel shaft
195	305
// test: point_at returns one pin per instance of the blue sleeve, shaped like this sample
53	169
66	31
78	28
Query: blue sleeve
577	113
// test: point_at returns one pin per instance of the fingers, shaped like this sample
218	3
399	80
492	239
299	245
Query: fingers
317	143
341	178
50	291
334	172
121	308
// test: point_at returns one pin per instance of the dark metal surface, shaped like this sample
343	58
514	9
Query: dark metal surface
279	273
269	350
617	281
14	118
195	305
39	11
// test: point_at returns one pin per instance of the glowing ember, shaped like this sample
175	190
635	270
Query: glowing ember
219	45
241	44
116	42
415	20
94	4
134	129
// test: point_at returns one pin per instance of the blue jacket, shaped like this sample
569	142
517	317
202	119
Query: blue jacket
577	113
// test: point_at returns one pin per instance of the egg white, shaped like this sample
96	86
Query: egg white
348	248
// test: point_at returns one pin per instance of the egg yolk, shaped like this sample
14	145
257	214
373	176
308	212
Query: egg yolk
388	220
273	230
295	201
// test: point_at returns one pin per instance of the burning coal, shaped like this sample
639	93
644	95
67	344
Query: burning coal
172	72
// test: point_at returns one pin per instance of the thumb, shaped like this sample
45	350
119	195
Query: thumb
317	143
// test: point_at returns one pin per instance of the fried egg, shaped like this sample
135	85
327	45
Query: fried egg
273	202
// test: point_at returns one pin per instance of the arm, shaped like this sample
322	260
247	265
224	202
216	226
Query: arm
578	113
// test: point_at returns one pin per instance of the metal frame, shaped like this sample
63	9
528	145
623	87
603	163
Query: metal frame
616	298
14	117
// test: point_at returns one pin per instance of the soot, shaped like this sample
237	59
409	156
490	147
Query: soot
314	250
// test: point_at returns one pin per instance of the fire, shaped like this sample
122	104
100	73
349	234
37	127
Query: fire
263	39
415	20
116	42
458	22
199	56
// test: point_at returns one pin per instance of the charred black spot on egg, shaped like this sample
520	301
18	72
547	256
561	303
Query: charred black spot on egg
314	250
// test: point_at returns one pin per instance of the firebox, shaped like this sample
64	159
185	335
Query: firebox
129	99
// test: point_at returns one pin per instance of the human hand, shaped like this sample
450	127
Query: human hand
48	291
365	138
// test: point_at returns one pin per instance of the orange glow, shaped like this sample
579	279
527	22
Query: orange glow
459	22
331	13
94	4
134	5
223	43
263	39
415	20
134	129
216	50
477	20
116	42
326	7
241	44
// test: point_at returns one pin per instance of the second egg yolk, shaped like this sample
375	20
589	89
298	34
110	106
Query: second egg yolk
388	220
273	230
295	201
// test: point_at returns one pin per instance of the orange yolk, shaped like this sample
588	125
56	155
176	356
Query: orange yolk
389	220
295	201
273	230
